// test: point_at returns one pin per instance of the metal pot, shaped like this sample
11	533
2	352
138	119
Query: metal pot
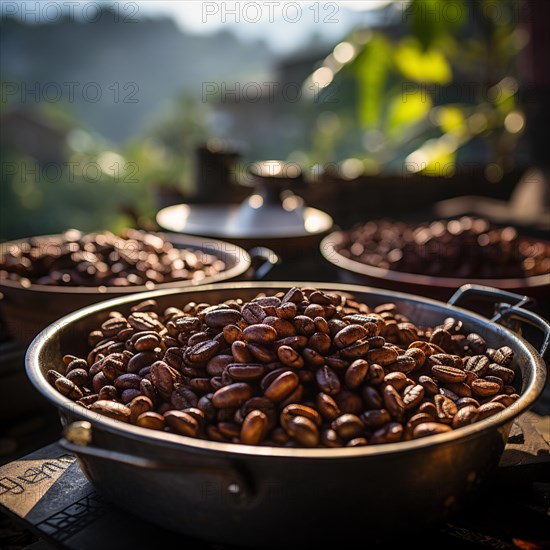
26	311
267	496
440	288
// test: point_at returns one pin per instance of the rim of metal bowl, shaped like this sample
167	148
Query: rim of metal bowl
208	245
333	256
221	450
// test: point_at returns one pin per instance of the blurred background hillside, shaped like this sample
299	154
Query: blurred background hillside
102	110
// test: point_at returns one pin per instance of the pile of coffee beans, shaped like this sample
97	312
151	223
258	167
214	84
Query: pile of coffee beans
305	368
132	258
466	248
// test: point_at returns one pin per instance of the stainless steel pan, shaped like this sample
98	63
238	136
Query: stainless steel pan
267	496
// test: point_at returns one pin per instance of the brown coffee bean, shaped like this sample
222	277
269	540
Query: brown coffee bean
503	356
290	357
429	408
506	400
327	380
67	388
182	397
75	363
430	428
440	337
312	358
233	395
475	344
327	406
404	363
163	378
141	360
429	384
304	325
505	374
151	420
412	396
147	343
260	334
202	352
127	381
462	389
375	375
140	320
282	386
254	428
112	409
419	418
138	406
349	335
182	423
287	310
465	401
329	438
398	380
393	402
390	433
375	418
108	393
383	356
376	342
113	325
372	398
489	409
297	342
348	426
303	430
320	342
356	373
446	408
465	415
79	377
219	318
243	372
448	374
478	364
296	409
485	388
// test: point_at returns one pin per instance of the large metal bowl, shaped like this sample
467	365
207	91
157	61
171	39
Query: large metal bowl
28	310
268	496
440	288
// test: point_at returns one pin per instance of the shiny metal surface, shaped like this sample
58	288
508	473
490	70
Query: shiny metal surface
292	495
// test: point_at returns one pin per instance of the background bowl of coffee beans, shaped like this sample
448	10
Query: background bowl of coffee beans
221	411
43	278
435	258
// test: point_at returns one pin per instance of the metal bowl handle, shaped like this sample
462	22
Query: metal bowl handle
504	311
236	482
265	259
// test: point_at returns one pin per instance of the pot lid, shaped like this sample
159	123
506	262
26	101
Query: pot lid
271	211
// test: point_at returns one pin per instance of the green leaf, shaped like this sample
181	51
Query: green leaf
430	66
407	110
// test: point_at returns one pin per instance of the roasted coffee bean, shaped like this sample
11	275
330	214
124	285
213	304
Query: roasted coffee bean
349	402
297	409
488	409
79	377
448	374
478	364
182	397
320	342
440	337
233	395
67	388
329	438
429	408
464	416
141	360
404	363
446	408
419	418
383	356
348	426
260	334
74	363
375	375
202	352
112	409
243	372
505	374
475	344
462	389
290	357
147	343
151	420
375	418
138	406
356	373
221	317
372	398
465	401
182	423
283	327
108	393
429	384
430	428
412	396
398	380
349	335
282	386
254	428
390	433
163	378
485	388
312	358
303	430
327	380
393	402
327	406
